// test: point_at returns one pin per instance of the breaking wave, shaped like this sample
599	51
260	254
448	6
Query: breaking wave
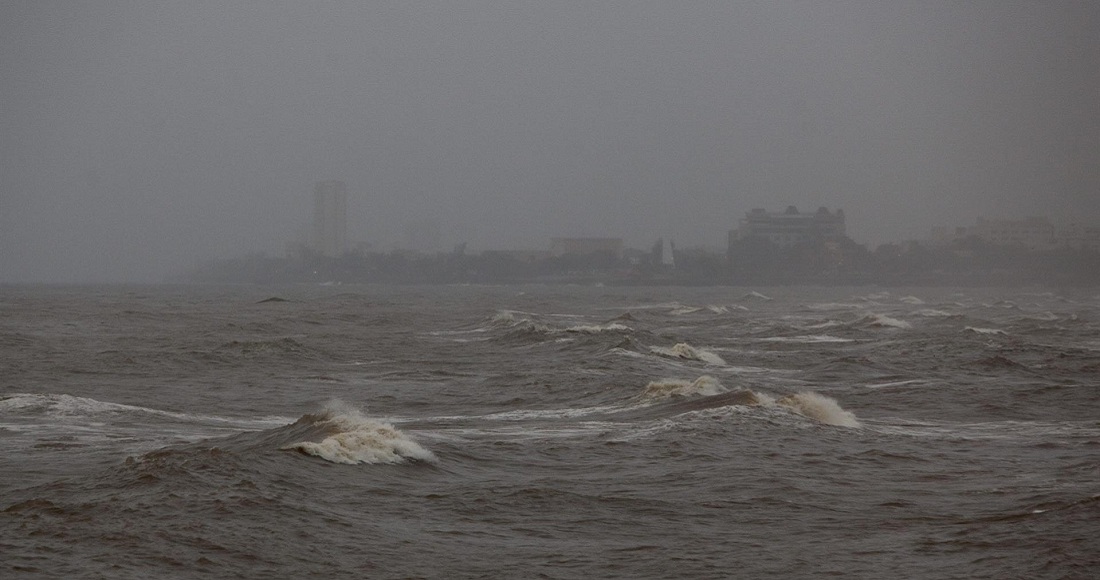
934	313
685	351
705	386
883	321
820	408
353	438
598	328
988	331
714	308
530	326
706	392
62	406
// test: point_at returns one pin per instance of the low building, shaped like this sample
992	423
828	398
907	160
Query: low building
586	246
524	256
791	227
1033	233
1079	237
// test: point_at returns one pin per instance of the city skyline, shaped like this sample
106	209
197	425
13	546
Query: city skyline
139	141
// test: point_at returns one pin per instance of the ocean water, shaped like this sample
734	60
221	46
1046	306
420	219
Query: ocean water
555	432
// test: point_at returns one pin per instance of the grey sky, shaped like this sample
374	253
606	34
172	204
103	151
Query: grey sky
137	138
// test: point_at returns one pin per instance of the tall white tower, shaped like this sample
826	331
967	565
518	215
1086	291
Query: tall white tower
330	218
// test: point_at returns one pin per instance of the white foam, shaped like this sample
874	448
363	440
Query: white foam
911	300
881	320
705	386
686	351
822	325
816	338
932	313
64	406
362	440
526	414
819	408
508	318
827	306
599	328
990	331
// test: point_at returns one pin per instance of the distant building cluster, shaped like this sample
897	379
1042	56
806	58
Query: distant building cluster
1033	233
784	230
766	247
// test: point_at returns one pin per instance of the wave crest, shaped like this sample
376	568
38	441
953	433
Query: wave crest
354	438
820	408
988	331
686	351
883	321
704	386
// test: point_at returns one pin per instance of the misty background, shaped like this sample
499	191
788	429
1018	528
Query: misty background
138	139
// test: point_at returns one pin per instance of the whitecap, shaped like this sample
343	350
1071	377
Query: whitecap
816	338
820	408
705	385
599	328
932	313
64	406
881	320
358	439
685	351
989	331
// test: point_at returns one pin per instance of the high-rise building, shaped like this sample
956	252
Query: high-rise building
330	219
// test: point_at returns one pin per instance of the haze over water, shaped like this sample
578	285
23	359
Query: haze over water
139	139
515	431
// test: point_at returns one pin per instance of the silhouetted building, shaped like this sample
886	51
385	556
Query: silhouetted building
790	227
330	220
1033	233
585	246
1079	236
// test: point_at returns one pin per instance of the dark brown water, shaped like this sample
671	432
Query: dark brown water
562	432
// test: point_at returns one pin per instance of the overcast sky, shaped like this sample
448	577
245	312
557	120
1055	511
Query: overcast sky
139	138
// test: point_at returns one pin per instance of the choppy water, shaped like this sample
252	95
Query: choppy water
562	432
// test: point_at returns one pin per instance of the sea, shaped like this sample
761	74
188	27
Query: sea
527	431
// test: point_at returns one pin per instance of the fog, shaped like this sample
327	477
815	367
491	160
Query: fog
138	139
